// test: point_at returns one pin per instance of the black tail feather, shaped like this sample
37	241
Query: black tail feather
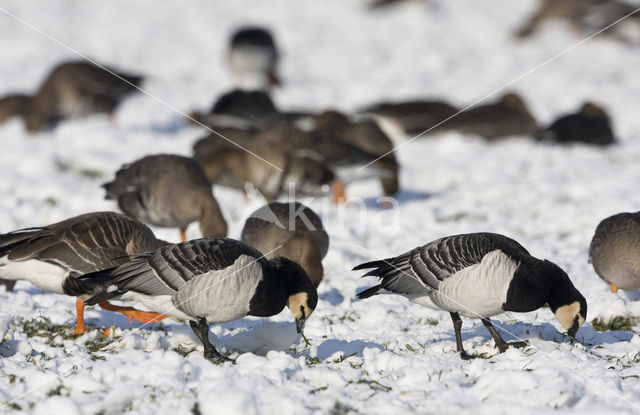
369	292
99	277
103	296
367	265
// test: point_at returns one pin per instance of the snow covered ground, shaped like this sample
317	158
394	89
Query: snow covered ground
382	355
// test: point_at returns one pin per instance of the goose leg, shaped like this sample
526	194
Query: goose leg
613	288
133	314
339	196
201	329
457	326
80	328
183	234
500	343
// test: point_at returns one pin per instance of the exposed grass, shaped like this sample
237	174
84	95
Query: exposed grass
623	323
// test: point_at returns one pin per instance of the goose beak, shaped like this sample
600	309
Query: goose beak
300	324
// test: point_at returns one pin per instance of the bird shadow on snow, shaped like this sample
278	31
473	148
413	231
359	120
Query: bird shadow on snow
332	296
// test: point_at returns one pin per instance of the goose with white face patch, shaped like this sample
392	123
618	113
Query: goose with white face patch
211	280
51	257
615	251
479	275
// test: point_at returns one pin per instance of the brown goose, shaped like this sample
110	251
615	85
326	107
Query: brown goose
51	257
412	117
228	165
291	230
591	125
253	56
586	16
365	135
345	160
615	251
170	191
15	105
73	90
507	117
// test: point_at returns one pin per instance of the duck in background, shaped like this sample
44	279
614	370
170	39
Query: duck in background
52	257
170	191
291	230
615	251
71	90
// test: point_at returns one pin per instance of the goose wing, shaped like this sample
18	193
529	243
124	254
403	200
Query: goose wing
165	270
421	270
81	244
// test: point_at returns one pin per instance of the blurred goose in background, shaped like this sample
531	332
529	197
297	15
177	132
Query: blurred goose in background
169	191
591	125
228	165
615	251
479	275
246	110
15	105
72	90
345	160
211	281
52	257
365	135
507	117
409	118
253	57
585	16
291	230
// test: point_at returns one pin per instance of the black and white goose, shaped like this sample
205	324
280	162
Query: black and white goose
51	257
479	275
211	280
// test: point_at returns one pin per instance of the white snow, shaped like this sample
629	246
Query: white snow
375	356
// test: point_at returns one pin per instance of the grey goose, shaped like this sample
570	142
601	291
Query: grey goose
344	159
410	117
51	257
590	125
479	275
75	89
15	105
509	116
615	251
247	110
586	17
367	136
170	191
291	230
253	56
210	280
227	164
